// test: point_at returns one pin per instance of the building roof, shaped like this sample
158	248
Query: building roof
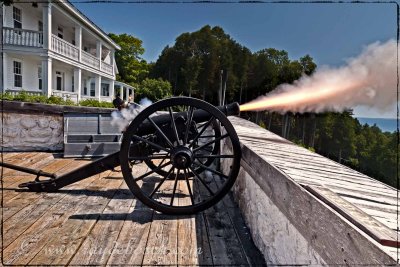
89	23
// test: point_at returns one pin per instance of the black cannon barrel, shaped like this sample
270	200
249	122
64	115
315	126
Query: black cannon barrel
198	116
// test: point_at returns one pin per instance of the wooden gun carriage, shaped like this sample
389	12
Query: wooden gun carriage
178	139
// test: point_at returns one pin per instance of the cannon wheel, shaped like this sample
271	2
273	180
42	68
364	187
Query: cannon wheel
202	186
214	150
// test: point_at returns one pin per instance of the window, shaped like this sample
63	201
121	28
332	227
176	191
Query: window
60	32
40	78
59	81
92	89
17	18
85	87
73	83
40	26
105	89
17	74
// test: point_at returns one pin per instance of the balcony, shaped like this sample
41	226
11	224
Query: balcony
29	38
20	37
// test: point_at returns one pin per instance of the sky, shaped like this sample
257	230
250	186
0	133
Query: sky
330	33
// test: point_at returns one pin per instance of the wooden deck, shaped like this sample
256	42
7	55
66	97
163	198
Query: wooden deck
97	221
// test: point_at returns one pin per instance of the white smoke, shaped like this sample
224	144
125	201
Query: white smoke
126	115
367	80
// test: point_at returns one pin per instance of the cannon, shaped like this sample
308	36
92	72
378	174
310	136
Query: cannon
175	141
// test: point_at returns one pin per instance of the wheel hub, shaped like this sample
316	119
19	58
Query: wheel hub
181	157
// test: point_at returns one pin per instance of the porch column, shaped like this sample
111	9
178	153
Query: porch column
97	87
98	52
5	71
47	70
47	25
121	91
112	89
78	40
78	82
112	59
126	93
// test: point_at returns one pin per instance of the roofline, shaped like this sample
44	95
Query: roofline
125	84
88	22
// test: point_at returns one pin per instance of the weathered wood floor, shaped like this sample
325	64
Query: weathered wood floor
97	221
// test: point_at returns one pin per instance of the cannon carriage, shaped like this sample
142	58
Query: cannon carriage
178	140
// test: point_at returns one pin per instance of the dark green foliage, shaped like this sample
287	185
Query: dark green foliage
95	103
153	89
23	96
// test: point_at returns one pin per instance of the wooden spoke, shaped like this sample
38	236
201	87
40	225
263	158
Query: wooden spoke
162	181
173	124
150	157
202	131
160	132
214	156
211	170
175	184
151	143
202	182
189	122
152	171
188	185
211	142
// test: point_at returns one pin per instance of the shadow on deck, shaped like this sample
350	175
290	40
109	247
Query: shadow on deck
98	222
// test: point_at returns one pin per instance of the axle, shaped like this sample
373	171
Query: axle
111	161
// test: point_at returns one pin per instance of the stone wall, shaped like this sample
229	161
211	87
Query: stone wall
36	127
27	132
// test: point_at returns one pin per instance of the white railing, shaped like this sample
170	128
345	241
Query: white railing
64	48
90	60
13	36
16	92
66	95
107	68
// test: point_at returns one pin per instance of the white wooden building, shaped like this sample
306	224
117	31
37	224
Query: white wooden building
51	48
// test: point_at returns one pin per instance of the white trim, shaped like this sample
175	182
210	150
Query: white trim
92	27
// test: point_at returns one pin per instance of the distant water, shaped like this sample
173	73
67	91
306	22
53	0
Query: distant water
386	125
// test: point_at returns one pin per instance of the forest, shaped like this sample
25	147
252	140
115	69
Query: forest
201	62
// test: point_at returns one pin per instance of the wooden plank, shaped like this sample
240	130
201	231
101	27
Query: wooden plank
363	221
23	198
225	246
101	239
68	239
161	248
34	239
193	247
22	220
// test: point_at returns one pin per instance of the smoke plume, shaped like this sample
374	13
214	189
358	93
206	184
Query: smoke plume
122	118
367	80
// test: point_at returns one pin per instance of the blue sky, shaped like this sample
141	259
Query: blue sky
330	33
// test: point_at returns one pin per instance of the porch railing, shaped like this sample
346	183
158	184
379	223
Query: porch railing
66	95
106	68
16	92
14	36
64	48
90	60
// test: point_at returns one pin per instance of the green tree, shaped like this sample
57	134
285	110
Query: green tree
153	89
131	67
